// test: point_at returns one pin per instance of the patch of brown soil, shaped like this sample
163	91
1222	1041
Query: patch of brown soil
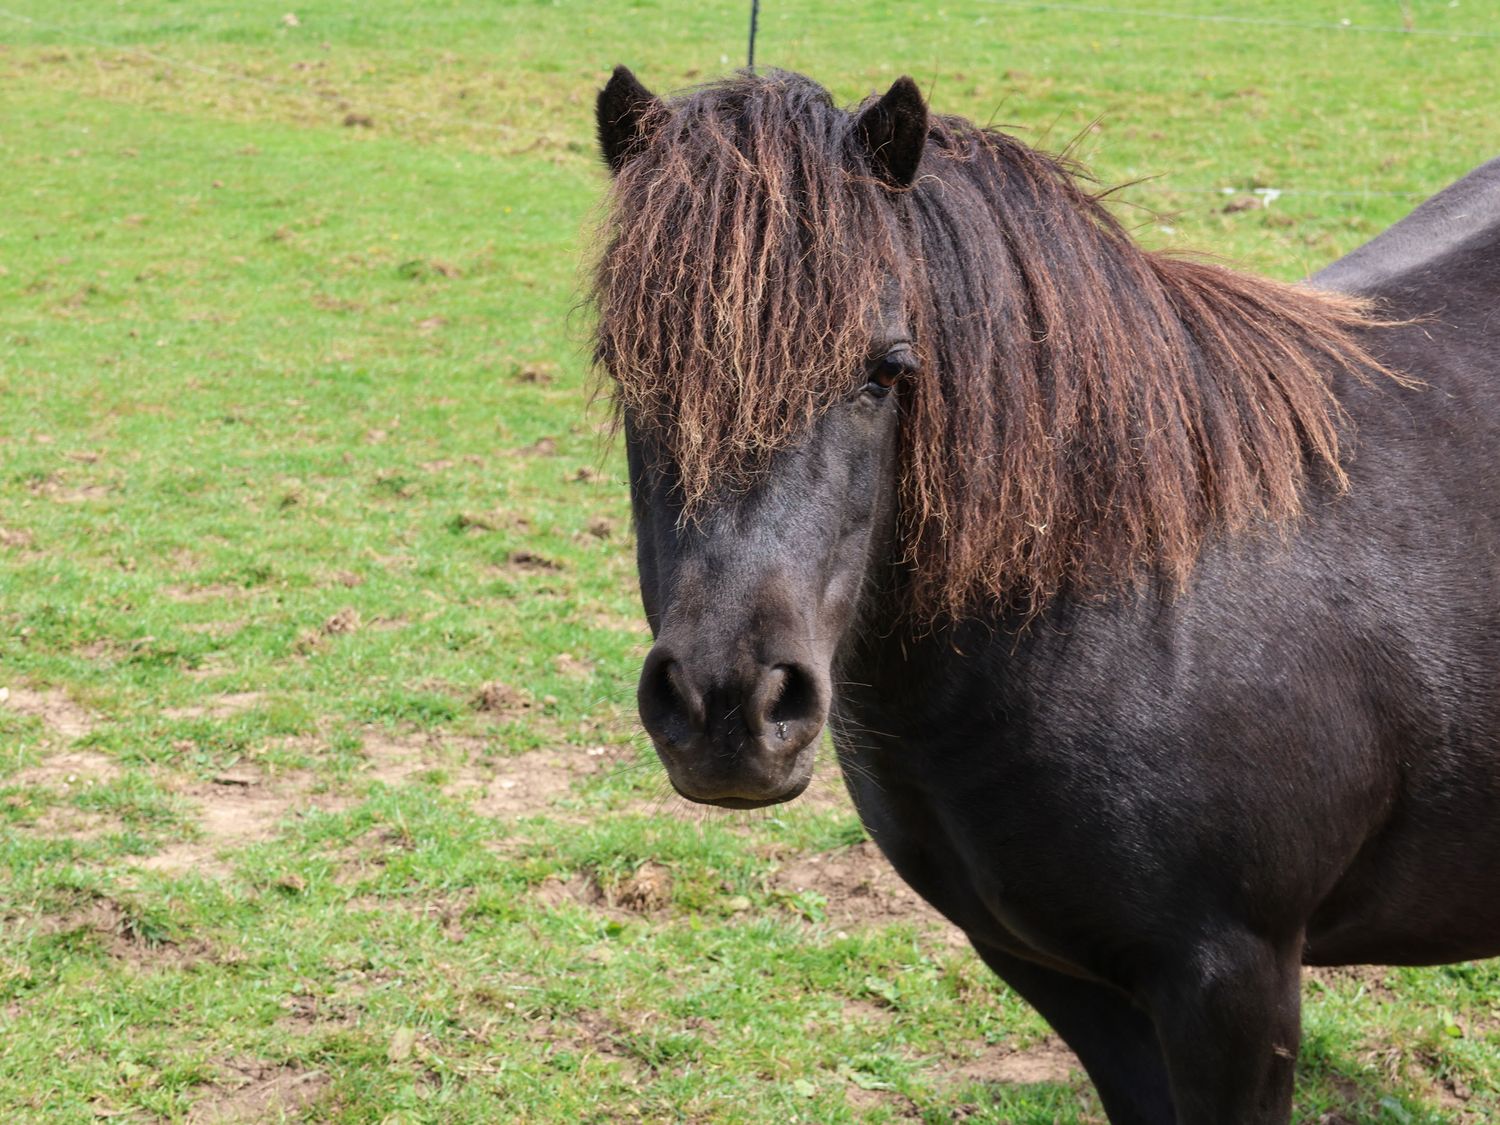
236	809
1047	1061
253	1092
220	708
16	539
1370	978
66	822
70	771
866	1102
528	784
216	629
860	888
58	713
124	936
531	783
552	891
586	1032
216	591
863	1011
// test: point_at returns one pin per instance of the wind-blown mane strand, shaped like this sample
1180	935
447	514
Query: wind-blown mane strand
1091	412
1087	412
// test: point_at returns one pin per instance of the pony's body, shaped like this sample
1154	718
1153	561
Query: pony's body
1148	803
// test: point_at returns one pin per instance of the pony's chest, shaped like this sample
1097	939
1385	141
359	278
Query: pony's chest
985	853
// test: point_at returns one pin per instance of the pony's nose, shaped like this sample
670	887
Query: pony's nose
780	707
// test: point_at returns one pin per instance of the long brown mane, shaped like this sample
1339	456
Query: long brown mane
1087	412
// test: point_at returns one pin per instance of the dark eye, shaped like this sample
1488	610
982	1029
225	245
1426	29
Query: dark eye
889	370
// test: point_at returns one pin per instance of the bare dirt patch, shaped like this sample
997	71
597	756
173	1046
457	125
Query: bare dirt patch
126	936
61	716
860	888
16	539
528	784
1047	1061
531	784
69	771
1370	978
221	707
66	822
213	592
253	1092
237	808
553	891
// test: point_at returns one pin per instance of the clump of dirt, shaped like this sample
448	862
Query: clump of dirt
859	886
61	716
646	891
531	561
252	1091
495	698
344	621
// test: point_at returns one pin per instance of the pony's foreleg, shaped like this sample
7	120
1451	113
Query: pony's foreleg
1114	1039
1229	1020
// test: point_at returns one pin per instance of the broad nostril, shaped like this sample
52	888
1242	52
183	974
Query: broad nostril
788	710
798	698
670	709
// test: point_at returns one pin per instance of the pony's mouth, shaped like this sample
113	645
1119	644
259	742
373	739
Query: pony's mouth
792	792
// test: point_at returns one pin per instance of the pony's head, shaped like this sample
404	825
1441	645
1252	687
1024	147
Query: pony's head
753	322
877	358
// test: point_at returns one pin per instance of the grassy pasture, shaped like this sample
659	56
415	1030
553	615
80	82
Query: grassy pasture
319	797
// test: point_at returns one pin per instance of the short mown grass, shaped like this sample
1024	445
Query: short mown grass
319	794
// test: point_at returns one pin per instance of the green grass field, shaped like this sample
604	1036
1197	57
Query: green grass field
320	796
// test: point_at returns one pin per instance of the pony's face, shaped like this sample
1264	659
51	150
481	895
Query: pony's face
751	581
750	599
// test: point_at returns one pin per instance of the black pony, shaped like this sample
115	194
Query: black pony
1154	608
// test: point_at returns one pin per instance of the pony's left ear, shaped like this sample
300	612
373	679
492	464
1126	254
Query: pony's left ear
621	112
894	131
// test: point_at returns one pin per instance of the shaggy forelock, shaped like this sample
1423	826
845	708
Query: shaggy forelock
747	250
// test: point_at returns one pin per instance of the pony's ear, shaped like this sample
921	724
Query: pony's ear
894	131
621	112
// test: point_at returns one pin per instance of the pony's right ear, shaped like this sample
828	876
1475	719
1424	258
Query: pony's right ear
894	131
622	109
